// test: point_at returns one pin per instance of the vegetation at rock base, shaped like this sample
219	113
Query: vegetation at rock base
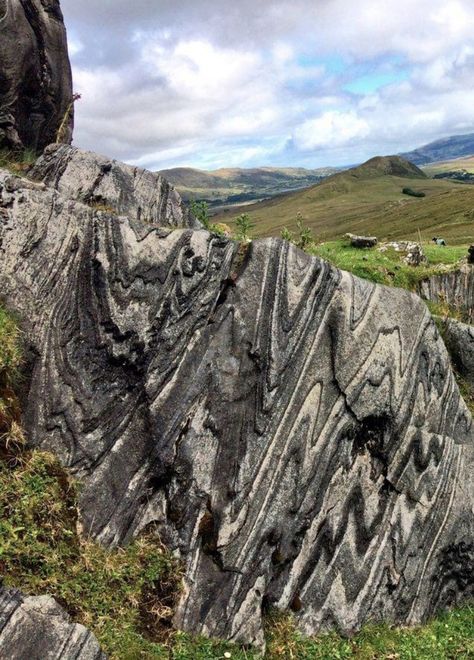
126	596
17	162
388	267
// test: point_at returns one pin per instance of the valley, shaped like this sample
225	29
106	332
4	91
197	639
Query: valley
368	200
232	186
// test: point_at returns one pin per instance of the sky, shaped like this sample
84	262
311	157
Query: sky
248	83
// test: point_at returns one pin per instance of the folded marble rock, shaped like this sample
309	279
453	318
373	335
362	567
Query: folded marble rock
294	432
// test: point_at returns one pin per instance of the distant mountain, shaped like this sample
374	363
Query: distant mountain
235	185
455	146
369	200
383	166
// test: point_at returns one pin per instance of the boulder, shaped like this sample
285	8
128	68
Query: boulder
295	433
35	75
39	629
362	241
111	186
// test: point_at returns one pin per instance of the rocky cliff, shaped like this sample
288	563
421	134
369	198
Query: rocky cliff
35	75
295	433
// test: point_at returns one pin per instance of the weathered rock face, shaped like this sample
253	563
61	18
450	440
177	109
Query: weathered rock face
35	74
38	628
294	431
459	338
456	288
112	185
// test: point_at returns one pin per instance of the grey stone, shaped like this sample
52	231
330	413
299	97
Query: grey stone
362	241
39	629
455	288
459	338
35	74
111	185
294	432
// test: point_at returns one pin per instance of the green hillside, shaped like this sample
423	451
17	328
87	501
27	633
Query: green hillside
235	185
368	200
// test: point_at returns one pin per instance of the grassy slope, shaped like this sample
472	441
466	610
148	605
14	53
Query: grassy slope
373	205
466	163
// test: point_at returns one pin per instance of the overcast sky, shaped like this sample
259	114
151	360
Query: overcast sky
219	83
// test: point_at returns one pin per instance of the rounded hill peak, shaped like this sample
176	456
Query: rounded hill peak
387	165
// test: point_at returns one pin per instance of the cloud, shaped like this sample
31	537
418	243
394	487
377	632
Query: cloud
269	82
331	129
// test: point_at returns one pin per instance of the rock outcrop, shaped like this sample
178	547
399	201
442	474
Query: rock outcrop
112	186
35	74
459	338
455	288
296	433
39	629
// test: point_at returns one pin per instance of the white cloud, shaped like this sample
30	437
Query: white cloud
331	129
263	82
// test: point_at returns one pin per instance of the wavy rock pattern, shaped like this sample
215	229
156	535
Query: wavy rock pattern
295	432
112	185
39	629
35	74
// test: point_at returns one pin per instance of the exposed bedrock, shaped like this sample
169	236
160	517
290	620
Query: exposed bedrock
35	75
39	629
459	338
456	288
112	186
295	432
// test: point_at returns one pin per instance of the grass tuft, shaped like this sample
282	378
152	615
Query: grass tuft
17	162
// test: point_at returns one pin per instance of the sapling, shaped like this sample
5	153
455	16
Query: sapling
244	226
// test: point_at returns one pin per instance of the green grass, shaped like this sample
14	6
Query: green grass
17	162
127	596
449	636
10	352
388	267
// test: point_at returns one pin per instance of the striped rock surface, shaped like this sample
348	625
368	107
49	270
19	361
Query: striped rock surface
35	75
39	629
296	433
113	186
